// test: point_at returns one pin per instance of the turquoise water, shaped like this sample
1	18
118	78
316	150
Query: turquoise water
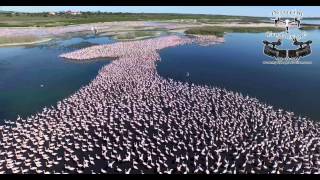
33	77
237	66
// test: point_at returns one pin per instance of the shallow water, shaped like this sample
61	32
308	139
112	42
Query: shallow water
33	77
237	65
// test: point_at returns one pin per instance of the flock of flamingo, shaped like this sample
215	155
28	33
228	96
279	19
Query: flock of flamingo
131	120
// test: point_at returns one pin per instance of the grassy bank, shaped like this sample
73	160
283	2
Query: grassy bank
25	42
306	28
18	39
240	20
219	30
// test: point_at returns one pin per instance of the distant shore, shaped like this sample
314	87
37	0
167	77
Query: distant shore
108	27
133	30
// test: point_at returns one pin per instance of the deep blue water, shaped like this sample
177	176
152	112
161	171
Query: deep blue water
33	77
237	66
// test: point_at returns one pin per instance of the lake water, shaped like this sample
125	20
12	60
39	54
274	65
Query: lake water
33	77
237	66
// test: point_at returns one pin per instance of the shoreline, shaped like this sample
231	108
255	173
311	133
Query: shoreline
26	43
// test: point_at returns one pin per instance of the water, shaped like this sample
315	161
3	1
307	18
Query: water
33	77
237	65
311	21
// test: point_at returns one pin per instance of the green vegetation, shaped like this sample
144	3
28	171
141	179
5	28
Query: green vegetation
237	19
306	28
9	19
18	39
219	30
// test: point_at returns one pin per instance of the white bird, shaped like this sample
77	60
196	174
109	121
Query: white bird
128	171
111	164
